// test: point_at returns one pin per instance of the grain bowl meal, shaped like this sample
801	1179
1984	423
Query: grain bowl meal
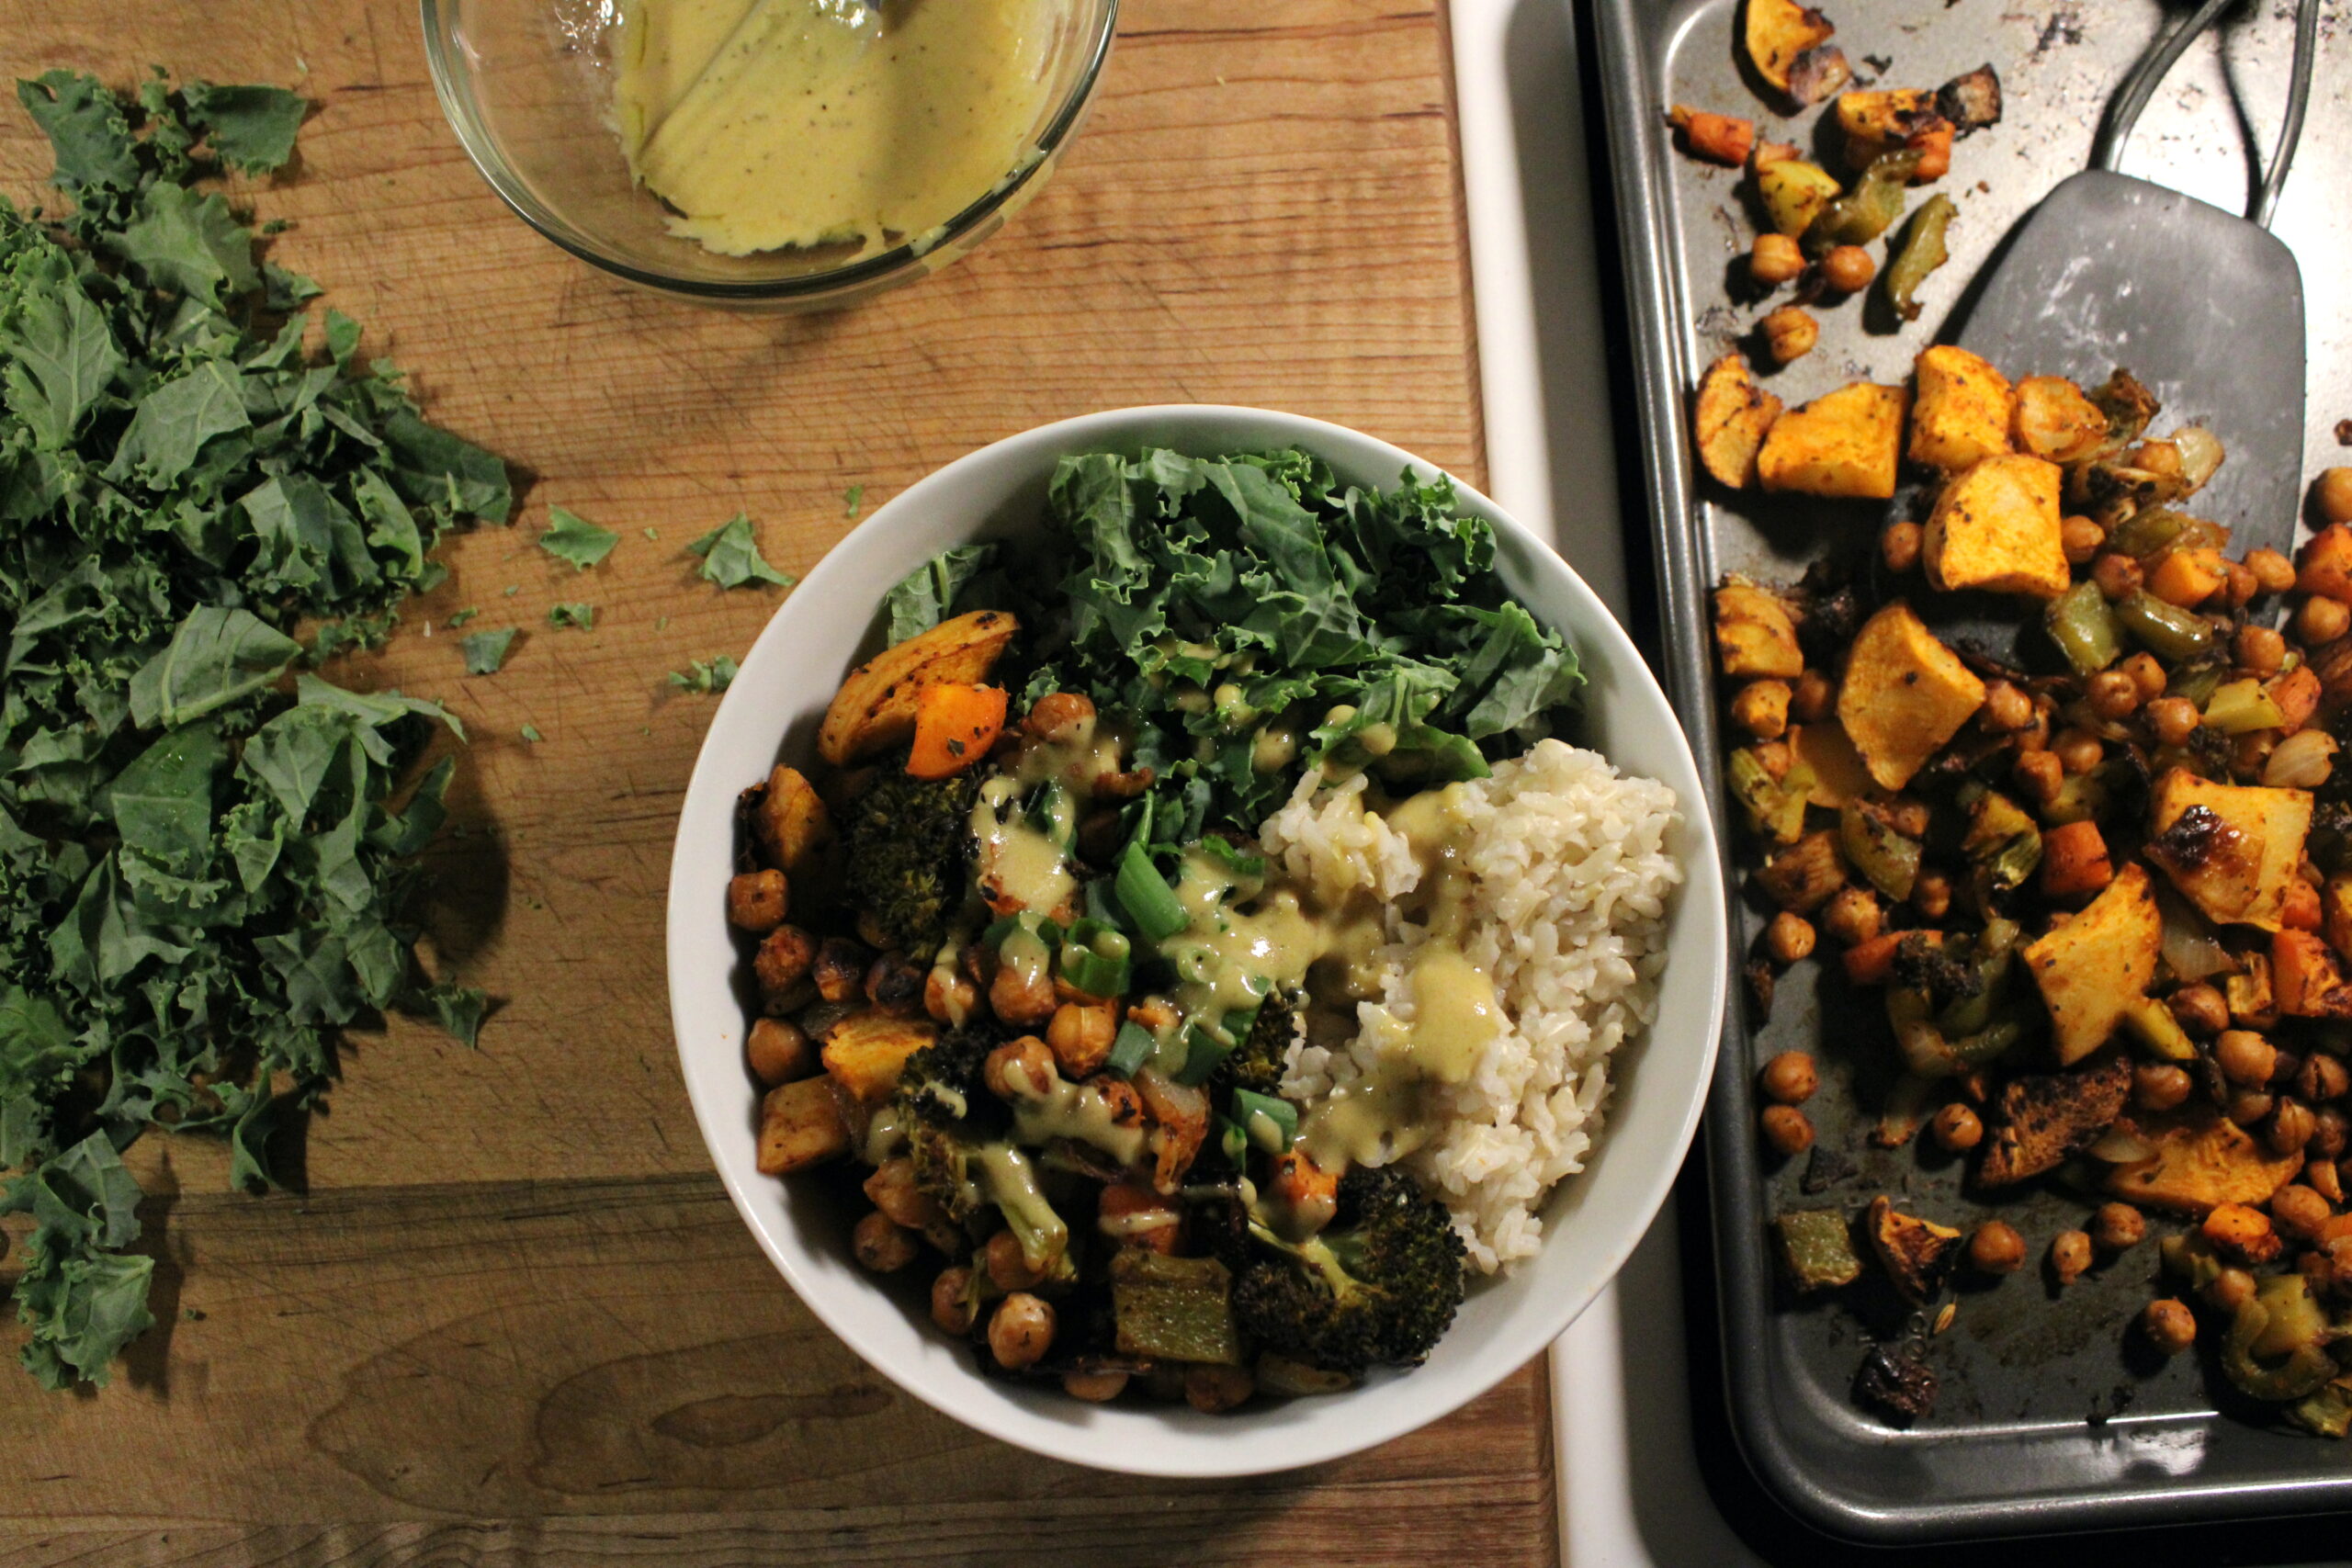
1191	936
2100	876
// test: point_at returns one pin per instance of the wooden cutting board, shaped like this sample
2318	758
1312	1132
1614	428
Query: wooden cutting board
513	1320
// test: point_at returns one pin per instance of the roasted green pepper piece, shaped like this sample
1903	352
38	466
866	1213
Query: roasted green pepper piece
2003	845
1921	253
2326	1413
1818	1248
2084	628
1888	860
1177	1309
2171	633
1868	210
2280	1302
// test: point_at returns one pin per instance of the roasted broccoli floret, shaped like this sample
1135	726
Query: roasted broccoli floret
907	843
955	1131
1256	1062
1377	1287
943	1083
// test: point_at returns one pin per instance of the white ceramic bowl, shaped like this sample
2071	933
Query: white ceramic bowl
1593	1219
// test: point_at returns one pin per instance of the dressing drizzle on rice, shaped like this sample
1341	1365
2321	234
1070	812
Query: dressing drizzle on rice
1550	880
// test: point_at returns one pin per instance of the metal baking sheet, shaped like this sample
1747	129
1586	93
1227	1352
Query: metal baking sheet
2047	1422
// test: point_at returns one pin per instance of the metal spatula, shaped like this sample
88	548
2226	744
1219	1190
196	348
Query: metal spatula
2204	306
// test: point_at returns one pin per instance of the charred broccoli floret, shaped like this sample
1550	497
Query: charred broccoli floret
944	1082
1256	1062
954	1130
908	842
1377	1287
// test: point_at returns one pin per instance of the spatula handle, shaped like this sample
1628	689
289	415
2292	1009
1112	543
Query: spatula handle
2140	89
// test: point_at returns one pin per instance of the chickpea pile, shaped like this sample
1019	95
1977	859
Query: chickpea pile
2243	1032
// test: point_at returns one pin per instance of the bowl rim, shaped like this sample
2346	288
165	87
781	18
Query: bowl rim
481	151
1706	940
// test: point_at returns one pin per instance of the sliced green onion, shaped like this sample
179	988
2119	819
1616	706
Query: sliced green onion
1131	1049
1231	1140
1270	1122
1204	1052
1095	958
1149	898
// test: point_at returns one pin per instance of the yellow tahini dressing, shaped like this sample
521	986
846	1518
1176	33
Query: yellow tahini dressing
769	123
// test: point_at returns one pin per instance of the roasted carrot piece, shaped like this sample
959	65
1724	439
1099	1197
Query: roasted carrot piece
2188	578
1932	141
1721	138
2297	692
2305	977
2301	912
2075	861
954	727
1872	963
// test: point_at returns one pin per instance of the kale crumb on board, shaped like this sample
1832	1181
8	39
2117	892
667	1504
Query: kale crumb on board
205	855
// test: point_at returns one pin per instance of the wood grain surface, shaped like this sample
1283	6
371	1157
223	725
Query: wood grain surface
513	1319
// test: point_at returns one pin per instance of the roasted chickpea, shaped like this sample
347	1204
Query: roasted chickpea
2272	571
2241	1231
880	1245
1057	715
756	901
2039	774
2333	493
1008	1266
2077	752
2244	1056
1761	708
779	1050
2118	1228
1908	816
1028	1058
895	984
1095	1388
2323	1078
1931	895
1021	1331
2239	585
1996	1248
2202	1010
782	967
1957	1128
2259	652
2118	576
2173	720
1211	1389
2325	1179
2113	694
1775	758
2291	1128
2319	620
1789	332
2329	1133
948	996
1081	1036
1791	1078
1847	269
1789	938
2007	708
2168	1326
2249	1107
2070	1255
2298	1211
2230	1290
893	1191
1788	1130
2146	674
1852	915
2160	1086
1811	700
2081	539
1775	259
951	1304
1022	997
1899	545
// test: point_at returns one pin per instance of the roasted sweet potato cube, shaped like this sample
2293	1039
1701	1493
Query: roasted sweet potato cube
2335	912
2041	1118
1880	121
2098	963
2055	420
2324	567
1802	876
1839	775
1963	409
1916	1254
1754	633
2202	1160
1847	443
875	709
789	818
865	1051
2306	978
2230	848
1733	414
2075	861
1776	32
1904	694
800	1125
1996	527
2188	577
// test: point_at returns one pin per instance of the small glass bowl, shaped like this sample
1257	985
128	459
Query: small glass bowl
527	85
